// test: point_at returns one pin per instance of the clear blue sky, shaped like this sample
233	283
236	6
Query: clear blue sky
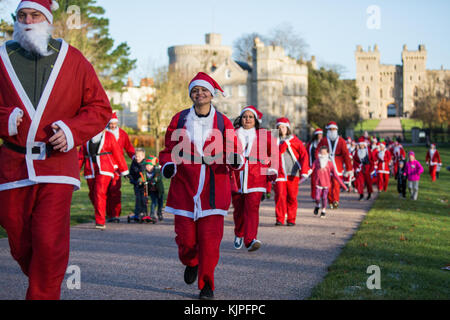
331	28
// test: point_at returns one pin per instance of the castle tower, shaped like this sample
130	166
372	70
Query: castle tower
368	82
414	76
267	84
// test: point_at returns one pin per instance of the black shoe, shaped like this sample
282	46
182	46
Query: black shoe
361	196
316	211
290	224
190	274
336	204
369	196
160	217
323	215
206	293
278	223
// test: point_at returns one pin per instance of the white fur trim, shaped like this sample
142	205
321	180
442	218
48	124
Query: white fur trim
175	171
333	126
189	214
202	83
125	173
12	122
36	6
284	124
252	111
68	133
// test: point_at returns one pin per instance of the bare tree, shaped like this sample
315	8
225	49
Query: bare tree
285	36
243	46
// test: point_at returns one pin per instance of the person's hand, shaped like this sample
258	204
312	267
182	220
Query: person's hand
58	140
169	171
19	121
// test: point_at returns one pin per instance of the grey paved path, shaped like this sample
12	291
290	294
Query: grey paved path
127	262
389	127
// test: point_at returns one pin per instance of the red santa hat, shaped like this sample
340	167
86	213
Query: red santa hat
362	141
284	122
332	125
114	118
318	131
44	6
204	80
256	112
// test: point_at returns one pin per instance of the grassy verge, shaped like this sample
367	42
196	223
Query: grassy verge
82	210
408	240
367	125
408	124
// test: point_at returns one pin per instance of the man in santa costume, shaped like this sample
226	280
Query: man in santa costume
398	154
114	205
261	166
383	160
201	149
433	161
341	160
294	163
311	147
100	156
363	165
51	101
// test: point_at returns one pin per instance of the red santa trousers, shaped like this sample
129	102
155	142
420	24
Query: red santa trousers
98	191
383	181
313	187
37	220
199	245
433	171
335	191
364	179
246	215
286	203
114	196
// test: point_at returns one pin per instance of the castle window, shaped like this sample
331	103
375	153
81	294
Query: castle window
362	78
371	78
368	104
416	92
228	74
242	91
228	90
381	93
367	92
392	92
367	67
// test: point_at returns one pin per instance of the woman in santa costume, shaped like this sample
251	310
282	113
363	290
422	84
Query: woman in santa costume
114	205
363	165
433	161
261	167
398	154
311	147
340	158
294	163
100	156
44	116
383	161
201	149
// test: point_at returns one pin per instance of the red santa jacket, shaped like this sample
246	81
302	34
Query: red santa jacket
124	141
382	162
434	160
339	154
359	167
262	161
73	99
109	156
198	190
322	176
295	148
398	153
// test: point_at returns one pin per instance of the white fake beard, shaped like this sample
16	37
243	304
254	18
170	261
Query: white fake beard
381	154
323	160
35	40
115	132
362	153
332	135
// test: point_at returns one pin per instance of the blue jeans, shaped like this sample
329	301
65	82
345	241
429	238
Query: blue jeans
157	201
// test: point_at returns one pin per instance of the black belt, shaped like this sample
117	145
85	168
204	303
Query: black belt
23	150
100	154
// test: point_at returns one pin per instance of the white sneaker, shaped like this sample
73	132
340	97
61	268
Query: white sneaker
238	243
255	245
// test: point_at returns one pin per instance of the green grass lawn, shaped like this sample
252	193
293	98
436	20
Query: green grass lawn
408	124
408	240
367	125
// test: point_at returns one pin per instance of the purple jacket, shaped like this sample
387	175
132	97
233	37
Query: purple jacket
413	170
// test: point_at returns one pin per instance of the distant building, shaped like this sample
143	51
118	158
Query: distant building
130	100
273	82
390	90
